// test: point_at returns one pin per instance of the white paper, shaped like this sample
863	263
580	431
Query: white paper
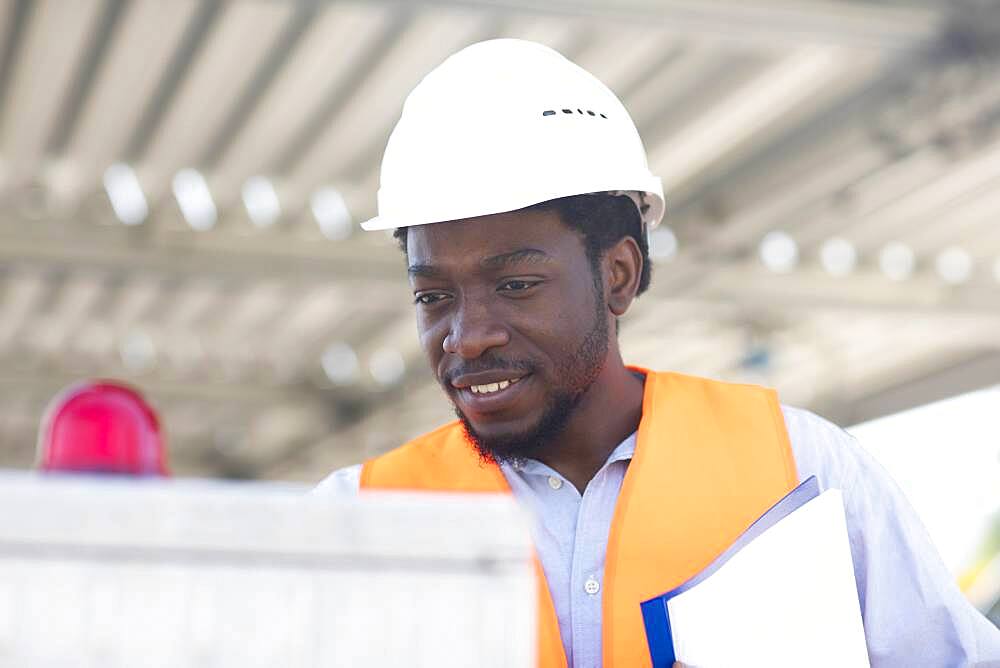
788	598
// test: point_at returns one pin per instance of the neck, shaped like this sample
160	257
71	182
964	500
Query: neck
609	411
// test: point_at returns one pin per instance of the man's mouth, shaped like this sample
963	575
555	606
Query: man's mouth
489	392
490	388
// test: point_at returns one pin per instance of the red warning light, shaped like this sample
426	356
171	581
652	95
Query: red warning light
101	426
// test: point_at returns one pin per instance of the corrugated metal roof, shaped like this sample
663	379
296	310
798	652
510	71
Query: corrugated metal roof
822	120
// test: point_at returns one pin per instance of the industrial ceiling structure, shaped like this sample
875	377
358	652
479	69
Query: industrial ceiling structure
181	184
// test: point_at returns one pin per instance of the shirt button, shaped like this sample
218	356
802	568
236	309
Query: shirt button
554	482
592	586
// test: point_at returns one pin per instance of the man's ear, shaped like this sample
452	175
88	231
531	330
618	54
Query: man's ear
622	271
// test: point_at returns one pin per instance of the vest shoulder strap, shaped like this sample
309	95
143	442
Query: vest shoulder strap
710	458
444	460
441	460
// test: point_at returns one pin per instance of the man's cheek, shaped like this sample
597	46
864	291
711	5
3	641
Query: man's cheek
430	341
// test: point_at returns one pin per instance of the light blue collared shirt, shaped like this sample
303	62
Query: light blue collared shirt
914	614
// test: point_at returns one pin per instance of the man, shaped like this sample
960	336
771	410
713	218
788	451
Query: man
519	191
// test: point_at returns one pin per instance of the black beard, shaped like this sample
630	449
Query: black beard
507	448
580	372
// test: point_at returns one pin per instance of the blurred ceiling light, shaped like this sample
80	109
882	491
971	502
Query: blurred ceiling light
261	200
779	252
897	261
838	256
386	366
340	364
137	351
125	192
195	199
331	213
954	265
662	243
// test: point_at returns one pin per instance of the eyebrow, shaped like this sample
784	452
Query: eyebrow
520	256
424	270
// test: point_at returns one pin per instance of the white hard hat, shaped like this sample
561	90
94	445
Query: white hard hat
505	124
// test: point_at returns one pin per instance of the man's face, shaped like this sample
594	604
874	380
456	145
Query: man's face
511	322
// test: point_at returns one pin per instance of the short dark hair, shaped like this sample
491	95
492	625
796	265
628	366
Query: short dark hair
602	219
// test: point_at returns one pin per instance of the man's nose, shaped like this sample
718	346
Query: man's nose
474	330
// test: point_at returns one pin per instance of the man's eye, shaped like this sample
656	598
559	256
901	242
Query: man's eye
428	298
516	285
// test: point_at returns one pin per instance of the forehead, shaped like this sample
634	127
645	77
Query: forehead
474	239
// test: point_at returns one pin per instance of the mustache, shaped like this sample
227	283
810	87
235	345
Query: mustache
490	363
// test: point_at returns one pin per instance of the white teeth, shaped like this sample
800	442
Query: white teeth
492	387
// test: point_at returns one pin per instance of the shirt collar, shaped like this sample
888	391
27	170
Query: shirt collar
622	452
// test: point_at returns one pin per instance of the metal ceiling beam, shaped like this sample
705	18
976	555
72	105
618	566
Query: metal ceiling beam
714	281
265	76
762	23
19	14
50	382
342	94
971	373
368	160
38	293
667	58
927	54
351	413
349	431
223	256
746	285
688	91
194	39
82	82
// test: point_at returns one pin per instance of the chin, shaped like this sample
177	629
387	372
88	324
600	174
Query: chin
522	438
499	443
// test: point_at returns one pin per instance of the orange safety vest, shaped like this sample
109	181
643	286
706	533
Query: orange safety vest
710	458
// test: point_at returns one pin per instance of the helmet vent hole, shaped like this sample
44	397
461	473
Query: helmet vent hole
552	112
